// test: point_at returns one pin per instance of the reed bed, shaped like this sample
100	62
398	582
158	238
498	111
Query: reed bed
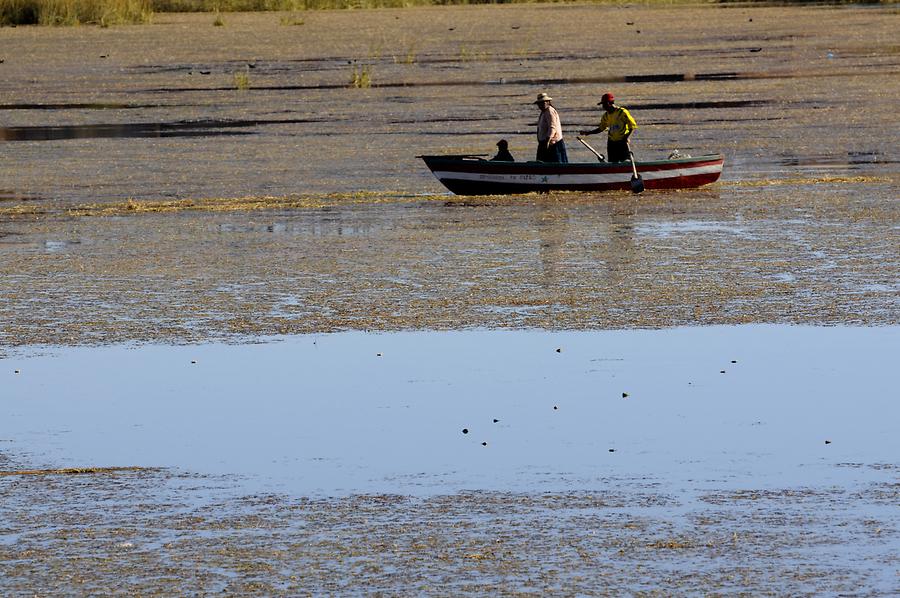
74	12
117	12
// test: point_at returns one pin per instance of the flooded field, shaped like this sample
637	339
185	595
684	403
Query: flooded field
755	458
243	329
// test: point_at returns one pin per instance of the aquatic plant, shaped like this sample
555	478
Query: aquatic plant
74	12
241	81
361	77
409	57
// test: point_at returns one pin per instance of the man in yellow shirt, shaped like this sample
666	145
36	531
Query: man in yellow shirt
620	124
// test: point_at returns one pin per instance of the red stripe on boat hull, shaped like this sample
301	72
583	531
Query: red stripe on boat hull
466	176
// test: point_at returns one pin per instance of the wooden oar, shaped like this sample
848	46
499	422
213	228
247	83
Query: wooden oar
637	183
600	156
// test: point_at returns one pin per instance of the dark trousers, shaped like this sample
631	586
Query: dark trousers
617	151
554	153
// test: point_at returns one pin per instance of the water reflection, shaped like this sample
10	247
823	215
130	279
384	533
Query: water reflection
751	405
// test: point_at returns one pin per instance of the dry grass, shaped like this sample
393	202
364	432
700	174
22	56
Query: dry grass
74	12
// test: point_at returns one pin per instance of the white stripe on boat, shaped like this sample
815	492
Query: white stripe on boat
575	179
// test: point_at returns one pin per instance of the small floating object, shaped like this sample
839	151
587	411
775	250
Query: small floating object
465	430
734	361
484	444
496	420
721	371
378	355
193	361
612	450
558	350
555	407
624	395
16	372
827	442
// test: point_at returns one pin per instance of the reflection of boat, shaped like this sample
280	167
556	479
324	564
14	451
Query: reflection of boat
472	175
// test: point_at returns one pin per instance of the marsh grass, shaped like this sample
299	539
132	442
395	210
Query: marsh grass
241	81
115	12
75	12
361	77
409	57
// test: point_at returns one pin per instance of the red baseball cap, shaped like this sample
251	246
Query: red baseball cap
607	98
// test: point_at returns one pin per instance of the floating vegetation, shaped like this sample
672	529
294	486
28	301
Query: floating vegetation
558	261
474	542
74	471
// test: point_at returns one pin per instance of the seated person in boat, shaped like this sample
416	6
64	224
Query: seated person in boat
551	147
620	124
503	154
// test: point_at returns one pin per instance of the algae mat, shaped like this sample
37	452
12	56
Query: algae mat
145	197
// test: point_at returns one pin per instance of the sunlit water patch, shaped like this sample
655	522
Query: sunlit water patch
429	413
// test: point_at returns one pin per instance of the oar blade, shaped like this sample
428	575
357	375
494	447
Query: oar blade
637	184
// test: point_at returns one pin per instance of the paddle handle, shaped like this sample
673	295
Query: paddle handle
631	155
600	156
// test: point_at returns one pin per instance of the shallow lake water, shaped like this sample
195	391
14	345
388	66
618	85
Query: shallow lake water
757	458
730	407
674	393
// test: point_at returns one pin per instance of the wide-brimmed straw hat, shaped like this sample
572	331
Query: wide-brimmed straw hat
543	97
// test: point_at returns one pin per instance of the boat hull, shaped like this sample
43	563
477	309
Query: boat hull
465	175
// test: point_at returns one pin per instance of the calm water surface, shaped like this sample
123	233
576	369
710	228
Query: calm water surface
726	407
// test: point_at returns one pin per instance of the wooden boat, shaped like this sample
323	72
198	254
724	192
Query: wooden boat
473	175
